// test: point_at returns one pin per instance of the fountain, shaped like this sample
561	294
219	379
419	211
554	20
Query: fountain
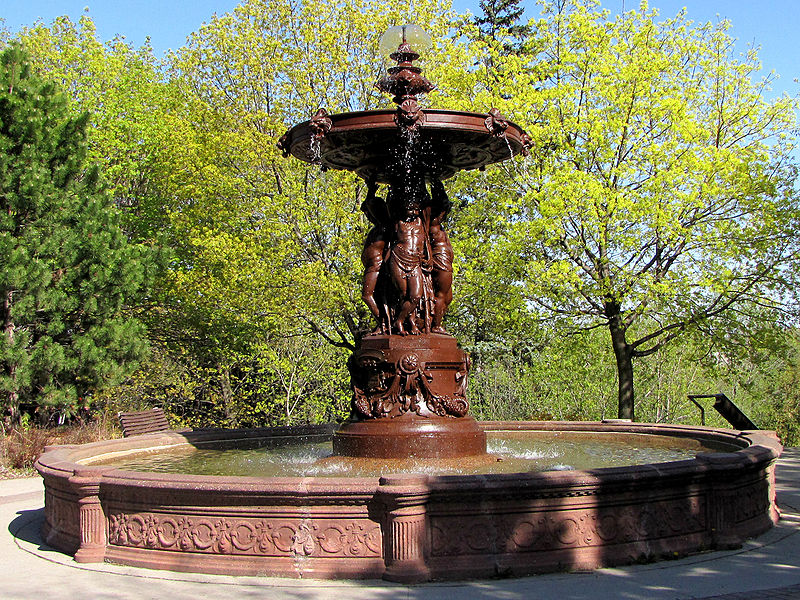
409	376
409	379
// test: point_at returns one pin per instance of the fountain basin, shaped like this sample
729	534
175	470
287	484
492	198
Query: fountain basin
409	527
364	142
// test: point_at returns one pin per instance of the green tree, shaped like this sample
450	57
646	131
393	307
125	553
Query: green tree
129	100
68	270
267	246
501	21
661	194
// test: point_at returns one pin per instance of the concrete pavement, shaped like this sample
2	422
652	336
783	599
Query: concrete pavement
766	568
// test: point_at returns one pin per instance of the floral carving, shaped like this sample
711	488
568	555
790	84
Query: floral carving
453	536
381	389
303	541
245	536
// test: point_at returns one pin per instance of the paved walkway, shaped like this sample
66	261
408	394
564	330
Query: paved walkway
766	568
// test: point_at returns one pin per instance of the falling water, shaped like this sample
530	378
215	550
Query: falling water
410	139
508	145
404	165
315	152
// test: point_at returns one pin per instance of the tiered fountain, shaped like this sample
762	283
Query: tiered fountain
409	376
410	407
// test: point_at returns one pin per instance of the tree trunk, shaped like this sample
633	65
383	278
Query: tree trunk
623	354
227	393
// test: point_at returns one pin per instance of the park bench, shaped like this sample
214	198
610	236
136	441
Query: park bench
143	421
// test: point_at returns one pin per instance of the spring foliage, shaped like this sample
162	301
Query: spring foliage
67	270
659	202
661	196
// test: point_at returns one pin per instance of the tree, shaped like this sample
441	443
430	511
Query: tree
661	194
501	20
126	94
68	271
266	244
264	247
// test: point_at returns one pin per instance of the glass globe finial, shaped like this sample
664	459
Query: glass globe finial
414	35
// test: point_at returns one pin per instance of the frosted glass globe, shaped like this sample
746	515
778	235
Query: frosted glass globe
415	35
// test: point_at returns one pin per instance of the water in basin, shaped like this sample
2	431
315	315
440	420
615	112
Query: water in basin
510	452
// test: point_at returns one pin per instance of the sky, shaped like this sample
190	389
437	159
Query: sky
770	24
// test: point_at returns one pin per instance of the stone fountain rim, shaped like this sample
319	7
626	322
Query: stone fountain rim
410	528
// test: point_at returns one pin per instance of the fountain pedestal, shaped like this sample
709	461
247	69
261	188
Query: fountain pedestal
411	436
410	400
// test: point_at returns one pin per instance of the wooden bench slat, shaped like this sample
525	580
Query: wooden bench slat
145	421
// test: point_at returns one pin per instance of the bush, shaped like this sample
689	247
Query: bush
20	447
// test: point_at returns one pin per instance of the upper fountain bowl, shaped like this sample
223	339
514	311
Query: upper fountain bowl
368	142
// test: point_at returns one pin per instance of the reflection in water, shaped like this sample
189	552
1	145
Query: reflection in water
510	452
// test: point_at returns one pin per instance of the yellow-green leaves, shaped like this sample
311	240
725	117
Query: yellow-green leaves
659	193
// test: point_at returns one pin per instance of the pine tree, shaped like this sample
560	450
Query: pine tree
67	271
502	18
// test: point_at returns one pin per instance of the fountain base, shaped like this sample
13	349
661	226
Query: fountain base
409	527
409	400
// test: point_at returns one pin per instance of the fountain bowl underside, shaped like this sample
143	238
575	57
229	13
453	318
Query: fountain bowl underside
363	142
407	527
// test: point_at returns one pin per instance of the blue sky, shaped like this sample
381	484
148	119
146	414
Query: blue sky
771	24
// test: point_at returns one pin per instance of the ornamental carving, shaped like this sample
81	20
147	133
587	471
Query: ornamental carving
532	532
409	115
408	385
268	537
320	124
527	144
496	123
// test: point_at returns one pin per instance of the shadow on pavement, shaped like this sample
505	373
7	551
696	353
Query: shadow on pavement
27	526
788	480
